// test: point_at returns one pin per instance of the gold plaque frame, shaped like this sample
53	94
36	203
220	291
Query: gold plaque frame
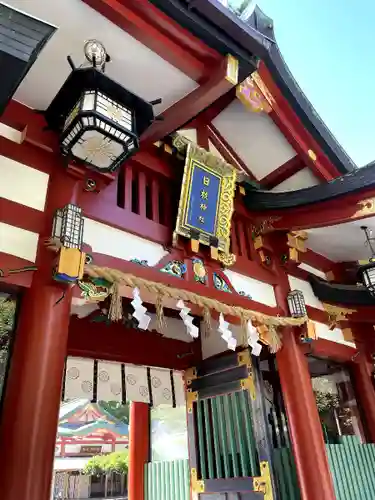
196	156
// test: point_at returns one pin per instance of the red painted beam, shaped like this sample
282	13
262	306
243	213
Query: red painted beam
342	209
333	350
276	177
18	215
293	129
209	114
21	279
150	26
227	152
117	343
21	117
191	105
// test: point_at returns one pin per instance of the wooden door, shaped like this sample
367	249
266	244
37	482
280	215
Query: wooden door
228	443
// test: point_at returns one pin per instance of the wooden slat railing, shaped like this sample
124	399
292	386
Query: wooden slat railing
167	480
144	201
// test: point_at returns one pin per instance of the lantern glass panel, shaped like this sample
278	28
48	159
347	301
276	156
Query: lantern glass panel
368	275
57	224
296	303
72	227
99	131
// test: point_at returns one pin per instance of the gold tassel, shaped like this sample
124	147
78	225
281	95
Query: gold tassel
161	324
274	339
207	322
115	308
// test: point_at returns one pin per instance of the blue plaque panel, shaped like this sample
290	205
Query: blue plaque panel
203	200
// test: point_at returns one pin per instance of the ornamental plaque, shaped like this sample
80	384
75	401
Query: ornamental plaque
206	200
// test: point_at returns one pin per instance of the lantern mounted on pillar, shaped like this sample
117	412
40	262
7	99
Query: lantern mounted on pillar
67	237
367	271
68	226
99	122
296	304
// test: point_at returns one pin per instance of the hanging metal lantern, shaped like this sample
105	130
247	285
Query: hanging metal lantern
367	271
68	226
98	120
296	304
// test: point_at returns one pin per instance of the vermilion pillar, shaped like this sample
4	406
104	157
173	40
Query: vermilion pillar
32	398
306	434
365	393
139	448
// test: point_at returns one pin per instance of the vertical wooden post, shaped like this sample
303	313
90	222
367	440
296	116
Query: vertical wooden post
139	449
365	393
361	369
32	396
306	434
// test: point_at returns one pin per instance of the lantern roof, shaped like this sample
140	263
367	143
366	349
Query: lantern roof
82	79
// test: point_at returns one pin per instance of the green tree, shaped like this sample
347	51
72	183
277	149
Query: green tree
117	409
117	461
7	314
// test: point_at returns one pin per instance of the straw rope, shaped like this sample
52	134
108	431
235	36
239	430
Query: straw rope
118	277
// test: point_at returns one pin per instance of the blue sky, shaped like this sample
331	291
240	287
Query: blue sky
329	45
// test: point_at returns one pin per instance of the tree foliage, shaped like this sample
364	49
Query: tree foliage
7	314
117	409
117	461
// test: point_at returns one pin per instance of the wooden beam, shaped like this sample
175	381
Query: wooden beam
150	26
345	208
227	152
289	168
190	106
209	114
294	131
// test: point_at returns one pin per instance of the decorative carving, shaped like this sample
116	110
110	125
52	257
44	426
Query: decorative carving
367	207
197	486
252	97
312	155
263	88
220	283
296	243
243	358
227	259
140	262
200	272
263	483
265	225
337	314
95	290
175	268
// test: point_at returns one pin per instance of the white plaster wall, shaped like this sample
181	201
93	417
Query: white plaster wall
255	138
336	335
302	179
258	290
189	133
175	328
121	244
305	287
214	151
11	133
18	242
313	270
212	343
22	184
